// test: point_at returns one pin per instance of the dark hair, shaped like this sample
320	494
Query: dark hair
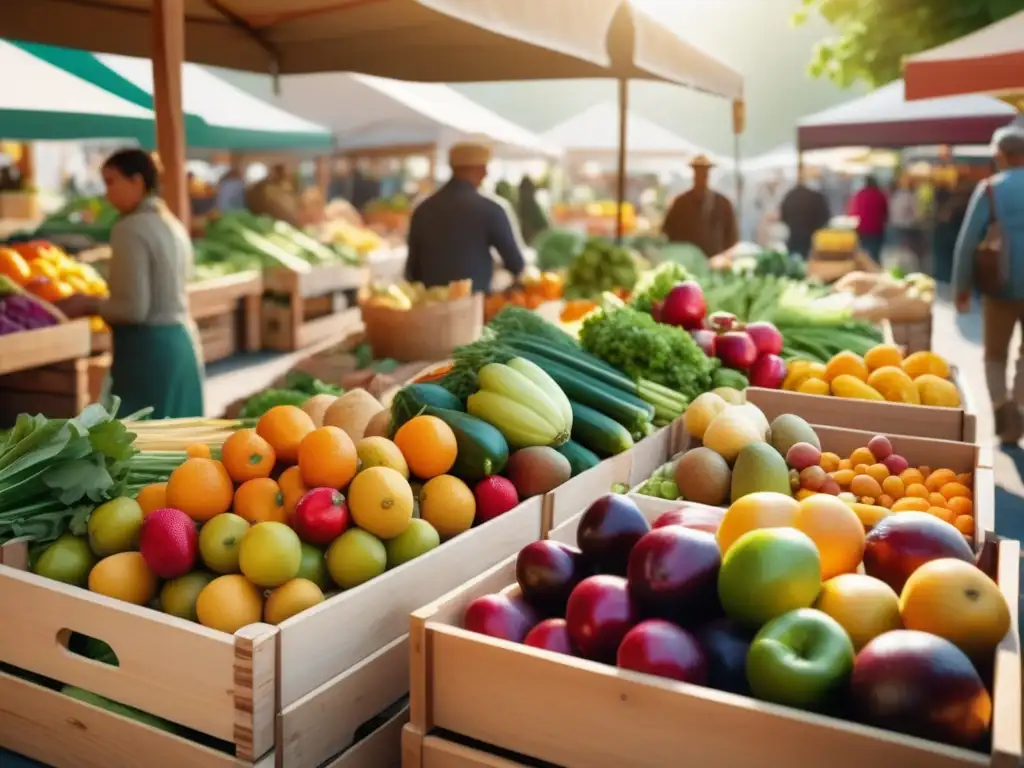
135	162
870	181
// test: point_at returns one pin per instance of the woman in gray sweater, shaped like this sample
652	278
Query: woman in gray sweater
157	360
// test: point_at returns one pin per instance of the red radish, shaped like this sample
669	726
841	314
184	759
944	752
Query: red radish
705	340
720	322
657	310
169	542
685	306
769	371
495	495
321	516
766	338
736	350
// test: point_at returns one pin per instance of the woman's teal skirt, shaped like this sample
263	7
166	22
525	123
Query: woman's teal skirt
156	366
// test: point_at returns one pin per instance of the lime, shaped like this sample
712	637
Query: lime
312	566
419	538
178	596
218	542
114	527
356	557
291	598
68	559
270	554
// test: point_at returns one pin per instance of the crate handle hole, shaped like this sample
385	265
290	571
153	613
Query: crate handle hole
87	647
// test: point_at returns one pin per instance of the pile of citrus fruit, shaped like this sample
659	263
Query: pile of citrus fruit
289	512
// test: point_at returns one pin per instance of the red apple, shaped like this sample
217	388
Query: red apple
736	350
901	543
546	572
599	614
673	573
551	635
320	517
508	618
607	532
766	338
684	306
657	647
768	371
699	517
922	685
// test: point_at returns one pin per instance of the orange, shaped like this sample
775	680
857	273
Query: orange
843	477
943	514
865	485
879	472
152	497
953	490
327	458
937	500
837	531
43	268
284	426
910	504
845	464
14	266
864	606
124	576
201	488
862	456
917	489
958	601
961	505
229	603
199	451
829	461
292	487
883	355
965	524
447	503
860	469
260	500
247	456
939	478
428	445
893	486
765	509
911	476
381	501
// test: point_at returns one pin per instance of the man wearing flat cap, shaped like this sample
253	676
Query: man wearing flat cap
452	232
702	216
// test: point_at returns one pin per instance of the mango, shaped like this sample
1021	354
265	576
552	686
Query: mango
759	467
846	364
937	391
894	385
921	363
846	385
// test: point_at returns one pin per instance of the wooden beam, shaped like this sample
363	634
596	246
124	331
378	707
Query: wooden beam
168	59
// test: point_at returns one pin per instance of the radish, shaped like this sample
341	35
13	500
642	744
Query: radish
766	338
685	306
736	350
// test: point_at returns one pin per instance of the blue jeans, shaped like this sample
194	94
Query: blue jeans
872	245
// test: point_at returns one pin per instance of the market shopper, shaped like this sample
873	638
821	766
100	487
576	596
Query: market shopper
157	360
701	215
871	207
995	216
452	232
804	211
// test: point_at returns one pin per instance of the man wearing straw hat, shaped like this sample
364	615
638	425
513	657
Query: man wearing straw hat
452	232
702	216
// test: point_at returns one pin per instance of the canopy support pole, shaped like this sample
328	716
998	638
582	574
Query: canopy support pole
739	121
620	181
168	59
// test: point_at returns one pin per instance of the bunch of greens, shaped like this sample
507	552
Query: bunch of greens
298	388
602	266
519	321
54	471
634	343
656	284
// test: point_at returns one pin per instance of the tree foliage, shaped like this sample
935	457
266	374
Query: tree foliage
872	36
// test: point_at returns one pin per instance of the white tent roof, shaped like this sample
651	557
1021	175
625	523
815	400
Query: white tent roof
788	157
364	112
1006	36
595	133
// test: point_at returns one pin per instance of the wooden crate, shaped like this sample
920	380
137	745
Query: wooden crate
889	418
60	390
441	750
581	714
913	335
293	696
227	312
303	308
31	349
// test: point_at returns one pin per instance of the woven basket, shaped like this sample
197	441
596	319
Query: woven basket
428	333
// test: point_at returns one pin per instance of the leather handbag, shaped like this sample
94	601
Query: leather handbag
989	256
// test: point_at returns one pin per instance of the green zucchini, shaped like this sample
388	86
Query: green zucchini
410	401
583	362
601	434
580	459
483	450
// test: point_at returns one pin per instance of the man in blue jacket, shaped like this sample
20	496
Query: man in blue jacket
1002	312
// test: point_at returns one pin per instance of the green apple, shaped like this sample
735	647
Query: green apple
769	572
801	659
418	539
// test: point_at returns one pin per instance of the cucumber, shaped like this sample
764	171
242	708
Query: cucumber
483	450
580	459
411	400
582	362
593	430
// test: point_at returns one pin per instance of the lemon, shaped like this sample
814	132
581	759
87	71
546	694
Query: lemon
356	557
114	527
124	576
68	559
178	597
219	540
229	603
381	501
381	452
270	554
291	598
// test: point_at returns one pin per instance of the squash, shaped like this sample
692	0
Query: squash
894	385
353	412
846	385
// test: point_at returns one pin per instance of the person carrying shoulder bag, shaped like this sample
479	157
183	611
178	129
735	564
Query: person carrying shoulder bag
989	257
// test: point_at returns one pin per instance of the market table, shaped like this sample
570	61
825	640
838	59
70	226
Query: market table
45	370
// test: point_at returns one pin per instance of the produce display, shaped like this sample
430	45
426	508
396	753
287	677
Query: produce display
536	288
406	295
760	263
882	374
46	271
557	248
93	217
298	388
601	266
344	233
19	311
882	295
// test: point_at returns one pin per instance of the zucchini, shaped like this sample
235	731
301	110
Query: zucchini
595	431
597	396
483	450
521	426
583	362
580	459
411	400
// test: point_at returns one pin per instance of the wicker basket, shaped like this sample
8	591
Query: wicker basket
427	333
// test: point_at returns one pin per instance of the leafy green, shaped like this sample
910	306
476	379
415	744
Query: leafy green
656	284
518	321
601	266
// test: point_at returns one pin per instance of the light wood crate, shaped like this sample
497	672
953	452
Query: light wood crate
303	308
576	713
227	312
59	391
440	750
292	696
32	349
